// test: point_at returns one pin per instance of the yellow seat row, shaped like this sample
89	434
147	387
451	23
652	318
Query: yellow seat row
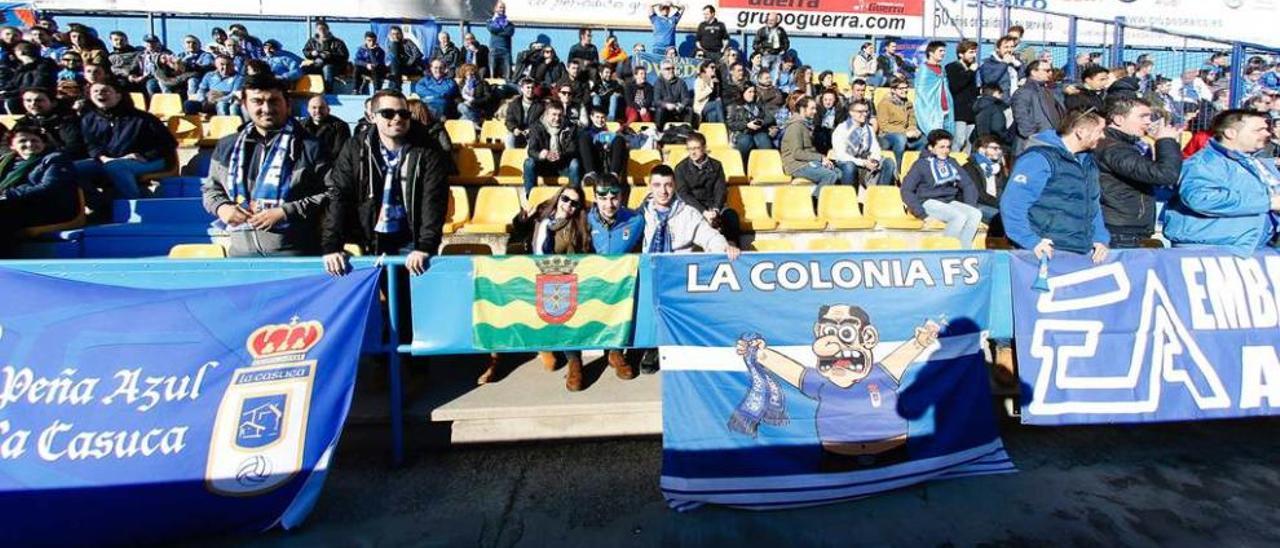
493	133
837	209
886	243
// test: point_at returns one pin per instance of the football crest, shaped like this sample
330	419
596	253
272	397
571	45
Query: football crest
260	431
557	290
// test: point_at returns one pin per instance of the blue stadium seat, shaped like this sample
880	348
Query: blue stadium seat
143	239
66	244
180	187
160	210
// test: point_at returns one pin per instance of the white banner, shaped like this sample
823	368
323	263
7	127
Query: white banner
409	9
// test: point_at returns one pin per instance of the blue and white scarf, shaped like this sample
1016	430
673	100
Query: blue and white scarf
1143	148
391	214
943	172
765	402
661	235
275	173
989	171
859	141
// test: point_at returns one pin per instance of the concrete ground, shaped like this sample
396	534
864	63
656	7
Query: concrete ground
1191	484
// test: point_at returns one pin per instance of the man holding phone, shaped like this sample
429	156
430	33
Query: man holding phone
1130	173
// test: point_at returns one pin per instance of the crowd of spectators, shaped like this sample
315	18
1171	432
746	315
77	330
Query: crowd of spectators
1081	163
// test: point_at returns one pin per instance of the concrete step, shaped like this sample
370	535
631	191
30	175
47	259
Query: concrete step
530	403
160	210
127	240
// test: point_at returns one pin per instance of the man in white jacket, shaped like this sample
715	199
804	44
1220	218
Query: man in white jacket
856	151
672	226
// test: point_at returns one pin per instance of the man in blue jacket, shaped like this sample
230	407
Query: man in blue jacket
1227	197
1053	199
614	230
286	66
438	91
500	32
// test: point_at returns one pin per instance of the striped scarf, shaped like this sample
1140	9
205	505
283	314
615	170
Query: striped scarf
765	402
391	214
661	235
275	173
943	173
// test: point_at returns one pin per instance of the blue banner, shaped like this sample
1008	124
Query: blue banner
142	416
1147	336
792	380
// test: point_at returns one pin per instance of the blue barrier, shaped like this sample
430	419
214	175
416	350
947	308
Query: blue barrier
440	300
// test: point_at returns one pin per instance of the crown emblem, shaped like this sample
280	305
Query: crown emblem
556	265
292	339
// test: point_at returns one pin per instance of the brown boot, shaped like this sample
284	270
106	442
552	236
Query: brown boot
490	371
618	361
573	381
548	360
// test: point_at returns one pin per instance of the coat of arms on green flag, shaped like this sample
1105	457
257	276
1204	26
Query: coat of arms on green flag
557	301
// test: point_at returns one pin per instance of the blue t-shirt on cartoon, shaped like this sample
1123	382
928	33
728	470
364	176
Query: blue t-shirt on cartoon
864	412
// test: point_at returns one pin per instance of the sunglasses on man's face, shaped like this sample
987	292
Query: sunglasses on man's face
570	201
608	192
391	113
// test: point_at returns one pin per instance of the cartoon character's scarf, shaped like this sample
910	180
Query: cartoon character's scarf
764	402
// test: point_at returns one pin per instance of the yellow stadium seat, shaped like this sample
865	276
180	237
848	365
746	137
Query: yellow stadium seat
492	134
731	160
884	204
640	163
541	194
793	208
613	127
829	244
879	94
138	99
309	84
1184	138
187	130
888	243
495	207
459	209
940	243
932	225
511	166
165	105
462	133
9	120
764	167
752	208
717	134
197	251
496	81
960	157
908	159
642	126
353	250
772	245
674	154
475	166
842	79
637	197
838	206
219	127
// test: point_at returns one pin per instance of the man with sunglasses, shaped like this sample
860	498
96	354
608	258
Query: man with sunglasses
266	181
615	230
553	148
1035	108
393	181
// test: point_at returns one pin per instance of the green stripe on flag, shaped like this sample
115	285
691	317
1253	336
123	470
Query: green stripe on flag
521	289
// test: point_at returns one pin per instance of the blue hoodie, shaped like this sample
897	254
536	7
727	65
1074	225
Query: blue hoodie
1055	195
1222	200
286	66
623	236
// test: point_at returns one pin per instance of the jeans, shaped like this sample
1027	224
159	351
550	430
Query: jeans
534	168
123	173
500	63
329	72
193	86
747	142
614	102
769	61
819	174
375	76
962	219
713	112
899	143
852	174
961	142
667	116
152	87
471	114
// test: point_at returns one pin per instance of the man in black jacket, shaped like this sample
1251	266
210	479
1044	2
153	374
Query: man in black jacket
522	113
962	79
700	183
61	128
332	131
989	116
30	70
711	35
1092	92
1128	173
393	182
553	148
771	41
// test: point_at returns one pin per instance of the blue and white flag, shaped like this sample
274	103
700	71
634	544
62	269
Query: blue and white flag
792	380
137	416
1147	336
